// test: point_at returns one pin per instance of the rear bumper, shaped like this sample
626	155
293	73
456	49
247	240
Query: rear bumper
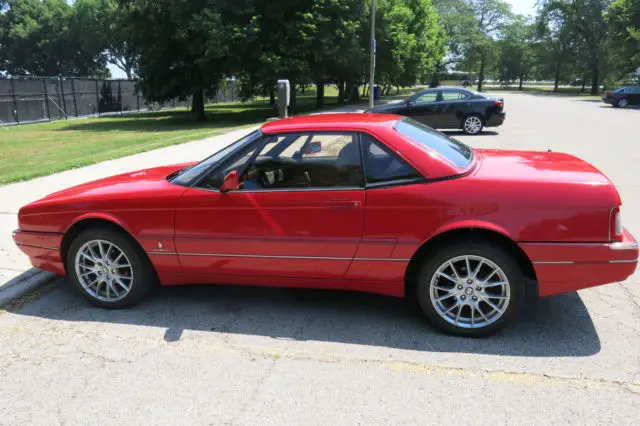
565	267
496	119
42	248
610	101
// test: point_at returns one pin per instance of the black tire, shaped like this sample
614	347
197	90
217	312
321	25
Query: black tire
495	254
472	130
623	103
143	274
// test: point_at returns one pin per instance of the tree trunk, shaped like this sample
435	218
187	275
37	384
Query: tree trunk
397	90
481	76
520	85
293	95
319	94
557	78
364	90
354	92
197	104
340	92
272	95
584	84
595	79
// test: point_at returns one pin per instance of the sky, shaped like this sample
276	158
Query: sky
522	7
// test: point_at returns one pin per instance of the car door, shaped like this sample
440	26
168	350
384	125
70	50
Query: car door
423	107
451	108
387	238
297	213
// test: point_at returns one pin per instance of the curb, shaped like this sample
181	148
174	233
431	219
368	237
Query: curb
24	284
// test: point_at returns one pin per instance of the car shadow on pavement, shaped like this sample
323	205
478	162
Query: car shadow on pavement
461	133
548	327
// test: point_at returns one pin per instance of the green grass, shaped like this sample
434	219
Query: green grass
542	89
37	150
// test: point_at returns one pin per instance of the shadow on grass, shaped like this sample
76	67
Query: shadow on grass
217	116
549	327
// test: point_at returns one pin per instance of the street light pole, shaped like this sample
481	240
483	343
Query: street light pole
373	52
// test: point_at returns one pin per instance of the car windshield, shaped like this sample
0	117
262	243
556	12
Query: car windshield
189	174
450	148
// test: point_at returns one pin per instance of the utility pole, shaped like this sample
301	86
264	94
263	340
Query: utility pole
373	52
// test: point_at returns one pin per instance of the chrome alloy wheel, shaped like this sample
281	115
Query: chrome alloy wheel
472	124
469	291
104	271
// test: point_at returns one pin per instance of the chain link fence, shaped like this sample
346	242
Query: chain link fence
26	100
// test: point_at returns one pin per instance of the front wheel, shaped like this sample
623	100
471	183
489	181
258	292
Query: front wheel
470	289
109	269
472	125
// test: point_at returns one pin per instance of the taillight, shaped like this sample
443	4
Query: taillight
499	103
616	228
608	95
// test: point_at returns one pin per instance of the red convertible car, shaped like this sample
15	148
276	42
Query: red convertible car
368	202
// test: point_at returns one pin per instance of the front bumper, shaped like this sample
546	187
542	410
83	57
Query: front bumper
43	249
565	267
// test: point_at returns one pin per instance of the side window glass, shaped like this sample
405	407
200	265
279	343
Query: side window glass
453	95
427	97
383	165
306	160
237	162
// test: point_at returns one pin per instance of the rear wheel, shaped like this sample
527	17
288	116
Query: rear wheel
623	103
472	124
109	269
470	289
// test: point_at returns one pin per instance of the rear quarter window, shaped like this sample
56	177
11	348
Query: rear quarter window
451	149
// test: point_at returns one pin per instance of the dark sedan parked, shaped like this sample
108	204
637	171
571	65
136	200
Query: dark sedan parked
622	97
449	108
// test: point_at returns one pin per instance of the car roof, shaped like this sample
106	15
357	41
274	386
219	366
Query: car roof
464	89
334	121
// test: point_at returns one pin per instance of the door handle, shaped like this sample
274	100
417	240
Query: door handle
343	204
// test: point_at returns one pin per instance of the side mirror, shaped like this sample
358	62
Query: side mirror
231	182
411	102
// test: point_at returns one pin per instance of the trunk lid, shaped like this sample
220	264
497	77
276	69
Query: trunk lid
538	166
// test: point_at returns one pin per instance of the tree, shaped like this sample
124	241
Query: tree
119	49
516	51
623	23
334	47
588	21
45	38
183	49
558	46
410	41
478	44
456	17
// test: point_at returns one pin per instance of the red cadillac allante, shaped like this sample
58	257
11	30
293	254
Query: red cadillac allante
376	203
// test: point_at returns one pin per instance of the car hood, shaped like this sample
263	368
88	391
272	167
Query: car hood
107	189
118	184
552	171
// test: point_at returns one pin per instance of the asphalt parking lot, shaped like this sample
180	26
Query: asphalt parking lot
234	355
